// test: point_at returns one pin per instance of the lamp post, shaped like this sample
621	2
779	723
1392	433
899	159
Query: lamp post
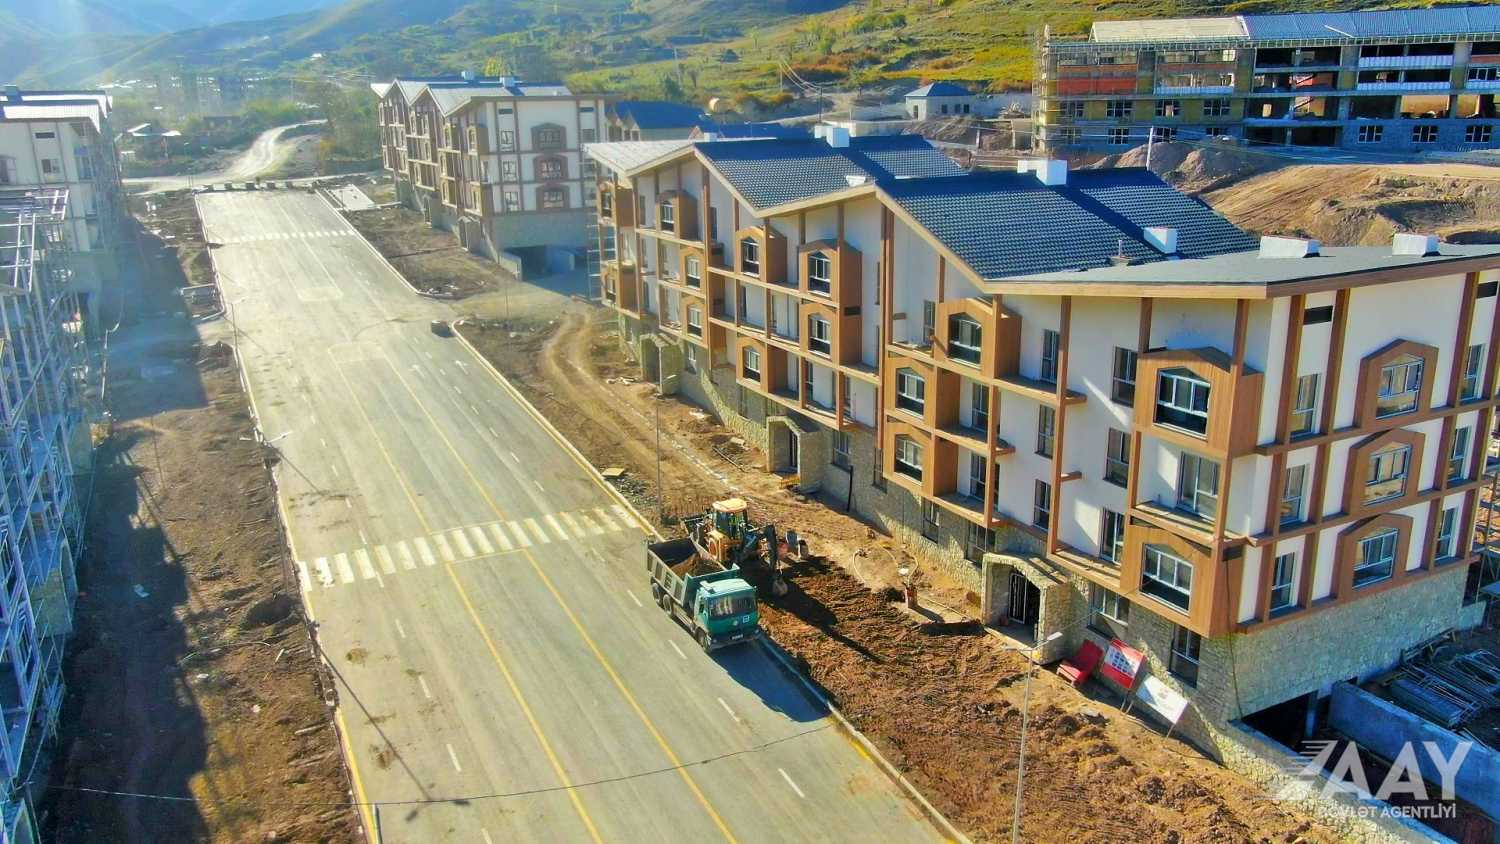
1031	658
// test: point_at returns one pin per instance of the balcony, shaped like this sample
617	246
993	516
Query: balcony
616	203
1184	396
479	140
1406	61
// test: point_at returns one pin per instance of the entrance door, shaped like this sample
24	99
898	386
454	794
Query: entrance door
791	450
1025	600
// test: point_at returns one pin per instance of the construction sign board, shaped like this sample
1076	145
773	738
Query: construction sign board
1121	663
1161	699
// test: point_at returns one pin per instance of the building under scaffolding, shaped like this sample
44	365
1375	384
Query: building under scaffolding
45	447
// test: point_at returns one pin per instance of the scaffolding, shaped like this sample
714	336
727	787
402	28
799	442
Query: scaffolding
44	446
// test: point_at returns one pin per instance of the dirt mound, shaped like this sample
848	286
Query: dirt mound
1193	168
1345	205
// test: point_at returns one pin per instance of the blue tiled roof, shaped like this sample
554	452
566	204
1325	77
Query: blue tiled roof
774	172
1005	224
941	89
1453	20
657	114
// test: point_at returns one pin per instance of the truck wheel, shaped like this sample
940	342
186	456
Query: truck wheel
703	640
656	592
666	603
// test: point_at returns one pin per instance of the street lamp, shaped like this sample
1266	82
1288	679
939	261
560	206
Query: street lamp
1031	659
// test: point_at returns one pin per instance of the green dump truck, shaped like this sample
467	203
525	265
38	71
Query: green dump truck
712	600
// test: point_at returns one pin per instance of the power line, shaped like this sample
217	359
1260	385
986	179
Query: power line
457	799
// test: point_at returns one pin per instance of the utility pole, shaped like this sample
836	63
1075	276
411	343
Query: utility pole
1031	660
661	501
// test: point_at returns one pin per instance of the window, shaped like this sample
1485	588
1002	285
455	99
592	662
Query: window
667	218
1425	134
552	198
1387	476
1046	430
1473	365
1283	573
1050	341
588	136
1478	134
1041	505
1459	455
51	169
750	256
1122	383
964	338
911	391
695	320
1106	606
1444	547
1072	109
548	137
1168	108
877	470
1400	382
1317	315
85	164
507	140
977	469
1215	132
819	335
841	448
512	200
1119	137
1186	648
1291	494
909	457
1117	108
979	407
1117	457
750	364
507	171
7	170
1487	290
1371	134
929	320
692	271
1198	485
549	168
1304	405
1216	108
1375	557
930	522
848	401
1182	401
45	136
1112	536
819	273
690	355
978	541
1167	577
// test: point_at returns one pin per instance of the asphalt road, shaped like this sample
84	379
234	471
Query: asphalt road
504	674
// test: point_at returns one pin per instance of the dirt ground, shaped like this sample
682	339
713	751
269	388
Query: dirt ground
941	699
192	673
432	260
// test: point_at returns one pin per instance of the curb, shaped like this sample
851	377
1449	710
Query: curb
376	252
764	642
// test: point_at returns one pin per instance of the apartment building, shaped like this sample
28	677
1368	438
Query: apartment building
62	139
498	162
1091	397
1409	80
44	446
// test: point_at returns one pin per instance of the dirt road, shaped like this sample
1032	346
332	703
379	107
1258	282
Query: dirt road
264	153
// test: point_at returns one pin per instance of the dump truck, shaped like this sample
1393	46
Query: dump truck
708	597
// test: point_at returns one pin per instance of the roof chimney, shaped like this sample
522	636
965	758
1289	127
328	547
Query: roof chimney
1414	245
836	136
1049	171
856	179
1287	247
467	75
1161	238
13	93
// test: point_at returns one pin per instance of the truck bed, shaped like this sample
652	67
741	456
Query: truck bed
682	558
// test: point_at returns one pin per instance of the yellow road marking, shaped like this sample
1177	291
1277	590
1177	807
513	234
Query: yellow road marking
587	639
510	681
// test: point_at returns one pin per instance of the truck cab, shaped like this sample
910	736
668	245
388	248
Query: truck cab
727	612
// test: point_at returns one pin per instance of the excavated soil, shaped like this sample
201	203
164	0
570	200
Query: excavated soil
936	692
432	260
192	678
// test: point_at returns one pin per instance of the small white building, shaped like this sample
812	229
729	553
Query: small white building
940	99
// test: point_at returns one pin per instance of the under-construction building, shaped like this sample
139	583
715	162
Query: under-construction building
44	448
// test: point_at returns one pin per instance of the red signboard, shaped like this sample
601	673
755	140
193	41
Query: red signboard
1121	663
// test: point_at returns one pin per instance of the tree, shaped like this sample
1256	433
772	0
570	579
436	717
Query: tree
671	89
494	66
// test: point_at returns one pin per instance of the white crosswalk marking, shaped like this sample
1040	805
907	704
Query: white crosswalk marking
402	551
425	551
444	549
536	530
589	524
623	515
571	525
325	574
461	542
341	562
499	533
556	528
387	564
302	579
604	519
521	538
362	559
481	541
